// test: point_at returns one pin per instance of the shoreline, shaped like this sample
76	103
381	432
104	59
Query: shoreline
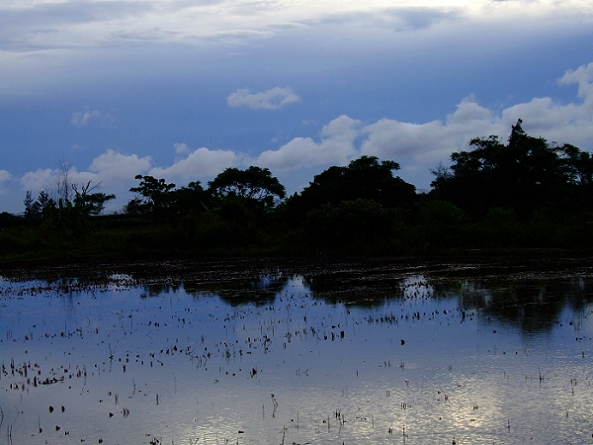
177	268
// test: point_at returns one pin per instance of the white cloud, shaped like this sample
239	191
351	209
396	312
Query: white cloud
542	117
77	178
423	145
564	123
181	149
83	118
430	141
48	179
59	24
293	155
113	167
4	177
202	162
417	146
336	146
583	77
268	100
113	172
41	179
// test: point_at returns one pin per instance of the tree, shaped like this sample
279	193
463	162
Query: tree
348	222
69	216
526	174
134	207
46	204
42	207
29	209
90	203
364	178
64	183
578	164
256	186
157	195
190	199
444	224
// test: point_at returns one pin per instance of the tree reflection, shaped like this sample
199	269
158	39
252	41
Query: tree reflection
531	305
361	290
157	289
531	297
236	292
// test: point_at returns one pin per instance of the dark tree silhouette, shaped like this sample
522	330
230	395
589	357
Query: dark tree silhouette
525	175
157	195
256	186
90	203
361	220
364	178
191	199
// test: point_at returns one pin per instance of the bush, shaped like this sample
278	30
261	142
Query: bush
445	225
499	228
349	222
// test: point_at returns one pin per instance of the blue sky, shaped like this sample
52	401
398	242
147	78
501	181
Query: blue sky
184	89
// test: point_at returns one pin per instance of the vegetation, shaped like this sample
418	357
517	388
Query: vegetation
521	194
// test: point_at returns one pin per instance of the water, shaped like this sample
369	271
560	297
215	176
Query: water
420	356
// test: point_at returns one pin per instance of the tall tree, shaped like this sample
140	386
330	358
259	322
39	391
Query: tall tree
90	203
256	186
364	178
157	196
43	206
525	174
191	199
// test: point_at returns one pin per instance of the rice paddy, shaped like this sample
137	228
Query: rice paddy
416	355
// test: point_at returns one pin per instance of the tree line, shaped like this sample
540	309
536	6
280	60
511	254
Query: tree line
521	193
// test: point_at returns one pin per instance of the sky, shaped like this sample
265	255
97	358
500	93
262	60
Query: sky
183	89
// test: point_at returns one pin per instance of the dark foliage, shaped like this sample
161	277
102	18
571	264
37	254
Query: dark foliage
255	186
521	194
365	178
349	222
525	175
157	199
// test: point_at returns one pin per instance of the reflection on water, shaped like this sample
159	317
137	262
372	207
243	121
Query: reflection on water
335	358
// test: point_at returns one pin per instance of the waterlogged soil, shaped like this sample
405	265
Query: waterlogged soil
264	351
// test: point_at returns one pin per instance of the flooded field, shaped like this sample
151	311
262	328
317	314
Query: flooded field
427	354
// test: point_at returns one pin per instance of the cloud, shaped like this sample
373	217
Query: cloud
583	77
181	149
202	162
563	123
67	24
114	171
269	100
48	179
4	177
417	146
386	139
397	19
41	179
542	117
336	145
113	167
423	145
82	118
430	141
